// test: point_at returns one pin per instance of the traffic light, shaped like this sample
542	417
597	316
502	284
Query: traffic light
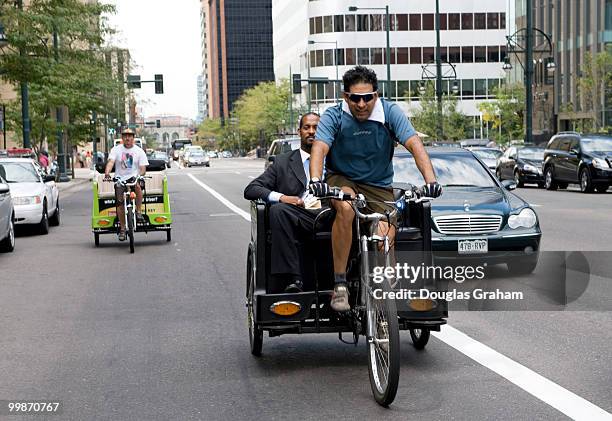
133	82
297	83
158	124
159	84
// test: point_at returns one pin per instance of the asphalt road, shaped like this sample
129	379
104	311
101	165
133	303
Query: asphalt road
162	334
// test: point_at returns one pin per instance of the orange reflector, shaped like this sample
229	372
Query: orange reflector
160	219
132	195
422	305
103	222
285	308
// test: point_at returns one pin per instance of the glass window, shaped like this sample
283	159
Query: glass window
393	52
467	21
391	21
319	25
376	22
493	85
312	25
467	88
502	21
376	56
415	55
415	22
350	57
328	24
402	55
393	92
363	56
480	87
443	21
313	59
429	55
338	23
340	56
319	58
414	88
349	23
480	21
329	57
454	21
444	54
363	22
467	54
493	54
402	22
492	20
428	22
329	91
454	54
403	88
313	91
480	54
320	91
502	53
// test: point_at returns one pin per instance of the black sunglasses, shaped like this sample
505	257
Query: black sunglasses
356	98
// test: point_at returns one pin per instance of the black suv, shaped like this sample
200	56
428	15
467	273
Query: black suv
521	164
580	159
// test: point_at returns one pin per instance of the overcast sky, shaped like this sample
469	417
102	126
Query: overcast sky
163	36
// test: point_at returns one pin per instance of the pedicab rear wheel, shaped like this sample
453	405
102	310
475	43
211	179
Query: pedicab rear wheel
383	346
255	332
96	239
419	337
130	231
168	235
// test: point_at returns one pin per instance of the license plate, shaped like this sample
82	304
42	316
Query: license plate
473	246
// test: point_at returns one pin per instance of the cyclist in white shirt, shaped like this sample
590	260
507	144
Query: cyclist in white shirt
129	161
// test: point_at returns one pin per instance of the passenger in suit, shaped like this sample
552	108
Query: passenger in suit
284	186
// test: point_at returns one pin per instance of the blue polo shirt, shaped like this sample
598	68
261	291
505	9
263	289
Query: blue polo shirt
363	151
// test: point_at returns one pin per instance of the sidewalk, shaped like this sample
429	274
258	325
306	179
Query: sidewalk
81	176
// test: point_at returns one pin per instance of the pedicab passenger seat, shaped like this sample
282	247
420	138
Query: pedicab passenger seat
106	189
153	185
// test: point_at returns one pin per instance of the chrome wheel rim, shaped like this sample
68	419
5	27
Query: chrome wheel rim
12	234
548	178
379	346
584	181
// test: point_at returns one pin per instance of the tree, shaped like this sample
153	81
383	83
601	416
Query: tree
74	74
507	110
595	87
455	123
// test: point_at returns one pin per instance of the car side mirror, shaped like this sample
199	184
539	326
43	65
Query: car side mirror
4	188
48	178
509	184
271	158
574	151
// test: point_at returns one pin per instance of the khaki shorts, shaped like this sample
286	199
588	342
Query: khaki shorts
371	193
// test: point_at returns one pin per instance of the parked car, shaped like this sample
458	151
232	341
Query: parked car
226	154
477	216
35	196
212	154
521	164
467	143
572	158
280	146
487	155
7	217
164	156
156	162
195	158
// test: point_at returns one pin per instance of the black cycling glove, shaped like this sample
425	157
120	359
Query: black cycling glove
319	188
432	189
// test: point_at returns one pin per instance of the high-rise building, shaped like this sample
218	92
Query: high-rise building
239	51
202	101
320	38
576	28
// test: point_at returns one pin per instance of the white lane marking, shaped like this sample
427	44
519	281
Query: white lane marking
223	214
533	383
237	172
222	199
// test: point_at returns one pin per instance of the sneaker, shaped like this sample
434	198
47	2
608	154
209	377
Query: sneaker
122	236
340	298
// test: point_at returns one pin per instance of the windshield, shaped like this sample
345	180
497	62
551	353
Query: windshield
19	172
290	146
488	153
535	154
451	170
160	155
597	144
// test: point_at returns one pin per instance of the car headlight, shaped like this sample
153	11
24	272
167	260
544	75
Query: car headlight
600	163
530	168
27	200
526	219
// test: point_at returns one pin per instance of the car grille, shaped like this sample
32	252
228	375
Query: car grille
468	224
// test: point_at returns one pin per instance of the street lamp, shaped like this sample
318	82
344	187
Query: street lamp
312	42
388	29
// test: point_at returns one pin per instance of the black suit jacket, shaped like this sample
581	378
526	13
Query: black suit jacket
286	176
